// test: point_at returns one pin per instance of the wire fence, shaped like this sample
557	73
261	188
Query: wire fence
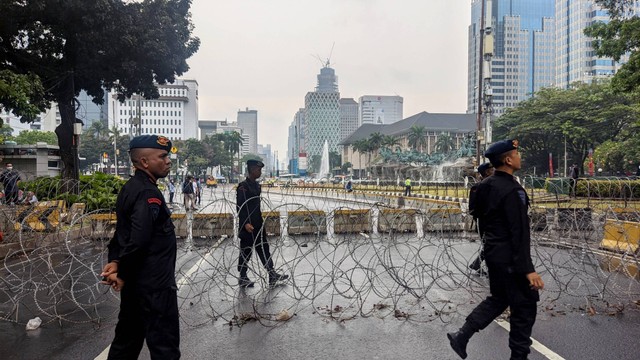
369	253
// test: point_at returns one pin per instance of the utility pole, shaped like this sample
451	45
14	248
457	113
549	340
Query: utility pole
115	138
479	135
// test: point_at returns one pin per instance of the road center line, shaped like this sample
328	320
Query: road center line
545	351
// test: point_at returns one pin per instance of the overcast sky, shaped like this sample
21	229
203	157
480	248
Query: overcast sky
261	54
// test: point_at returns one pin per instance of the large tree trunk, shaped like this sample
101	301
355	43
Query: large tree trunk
64	131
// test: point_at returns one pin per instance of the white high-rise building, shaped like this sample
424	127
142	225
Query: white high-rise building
349	121
248	122
174	114
575	58
322	114
380	109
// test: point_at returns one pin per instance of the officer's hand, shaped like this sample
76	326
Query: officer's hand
110	268
114	281
535	281
248	227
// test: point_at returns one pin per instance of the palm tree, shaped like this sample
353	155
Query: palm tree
389	141
361	146
98	130
445	143
416	137
375	142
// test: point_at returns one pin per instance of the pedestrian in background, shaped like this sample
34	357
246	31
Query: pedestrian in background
10	180
142	258
501	208
172	191
188	194
574	174
407	187
251	227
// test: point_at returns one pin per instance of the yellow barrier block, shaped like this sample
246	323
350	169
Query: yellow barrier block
42	216
622	236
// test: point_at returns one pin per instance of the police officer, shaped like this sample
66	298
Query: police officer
484	171
502	211
251	231
142	258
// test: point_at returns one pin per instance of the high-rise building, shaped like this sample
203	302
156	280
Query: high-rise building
89	112
523	50
348	117
376	109
248	122
322	114
174	114
295	142
575	57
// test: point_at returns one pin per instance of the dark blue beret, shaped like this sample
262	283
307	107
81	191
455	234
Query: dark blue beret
150	142
501	147
255	163
484	167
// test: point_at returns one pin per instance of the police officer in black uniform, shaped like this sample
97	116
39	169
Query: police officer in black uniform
142	258
251	231
485	170
504	223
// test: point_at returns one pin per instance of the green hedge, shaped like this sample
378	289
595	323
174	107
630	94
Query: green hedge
98	191
616	189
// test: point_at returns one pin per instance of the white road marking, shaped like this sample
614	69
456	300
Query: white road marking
545	351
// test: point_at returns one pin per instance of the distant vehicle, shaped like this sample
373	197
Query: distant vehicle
340	179
212	182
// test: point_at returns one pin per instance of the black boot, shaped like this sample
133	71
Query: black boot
245	282
475	265
274	277
459	340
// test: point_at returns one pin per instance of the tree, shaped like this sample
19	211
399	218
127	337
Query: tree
361	146
617	37
94	45
445	143
389	141
335	160
6	132
31	137
98	130
416	138
22	93
586	116
314	163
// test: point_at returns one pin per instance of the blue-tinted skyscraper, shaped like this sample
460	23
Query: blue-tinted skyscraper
523	58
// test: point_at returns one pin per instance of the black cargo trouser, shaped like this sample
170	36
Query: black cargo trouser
513	291
250	240
151	316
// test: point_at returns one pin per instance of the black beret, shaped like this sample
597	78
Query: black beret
150	142
484	167
501	147
255	163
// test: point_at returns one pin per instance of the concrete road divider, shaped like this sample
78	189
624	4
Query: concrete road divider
351	221
397	220
306	222
443	219
272	223
212	225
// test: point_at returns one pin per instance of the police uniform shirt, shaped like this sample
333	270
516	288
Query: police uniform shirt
145	240
248	204
501	205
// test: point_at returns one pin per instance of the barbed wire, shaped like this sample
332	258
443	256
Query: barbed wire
370	253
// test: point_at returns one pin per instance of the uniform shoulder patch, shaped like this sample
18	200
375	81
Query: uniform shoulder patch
154	201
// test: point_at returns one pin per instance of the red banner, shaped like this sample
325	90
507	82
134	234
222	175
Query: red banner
550	165
591	166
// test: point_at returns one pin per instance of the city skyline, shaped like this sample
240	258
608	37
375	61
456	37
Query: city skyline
255	54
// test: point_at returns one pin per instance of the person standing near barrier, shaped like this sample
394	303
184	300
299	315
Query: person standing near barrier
407	187
504	223
10	179
172	191
142	258
251	230
574	174
188	194
485	170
